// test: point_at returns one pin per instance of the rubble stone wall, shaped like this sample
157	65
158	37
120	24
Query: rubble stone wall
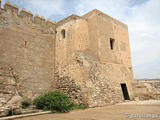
147	89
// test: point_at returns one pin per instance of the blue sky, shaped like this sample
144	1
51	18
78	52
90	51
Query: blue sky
141	16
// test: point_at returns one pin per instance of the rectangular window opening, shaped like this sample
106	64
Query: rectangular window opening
112	43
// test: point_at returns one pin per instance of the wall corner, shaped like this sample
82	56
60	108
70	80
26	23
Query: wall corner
0	3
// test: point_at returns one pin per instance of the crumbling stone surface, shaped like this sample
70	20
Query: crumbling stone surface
4	112
7	85
9	88
10	110
93	87
5	19
67	85
15	100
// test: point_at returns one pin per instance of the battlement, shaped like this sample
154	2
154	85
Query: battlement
38	19
11	8
27	16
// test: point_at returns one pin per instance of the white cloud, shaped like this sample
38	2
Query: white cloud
115	8
144	30
48	8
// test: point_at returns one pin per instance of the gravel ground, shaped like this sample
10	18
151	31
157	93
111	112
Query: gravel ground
141	110
141	102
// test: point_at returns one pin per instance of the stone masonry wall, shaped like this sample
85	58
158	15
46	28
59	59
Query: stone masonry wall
9	87
27	48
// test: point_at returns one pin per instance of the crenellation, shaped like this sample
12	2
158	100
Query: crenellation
48	20
9	3
26	14
11	8
49	23
42	17
39	20
54	22
37	15
27	17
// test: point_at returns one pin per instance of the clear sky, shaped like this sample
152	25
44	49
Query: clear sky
141	16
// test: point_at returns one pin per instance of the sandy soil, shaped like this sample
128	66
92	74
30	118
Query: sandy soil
128	111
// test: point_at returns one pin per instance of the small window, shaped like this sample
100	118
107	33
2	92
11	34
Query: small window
25	43
112	43
63	34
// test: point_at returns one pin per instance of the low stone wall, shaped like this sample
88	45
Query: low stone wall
147	89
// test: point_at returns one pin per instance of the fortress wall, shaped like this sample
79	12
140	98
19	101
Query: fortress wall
105	32
76	38
123	51
27	47
63	44
100	31
93	33
80	35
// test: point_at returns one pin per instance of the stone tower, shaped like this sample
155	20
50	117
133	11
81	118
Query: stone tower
93	51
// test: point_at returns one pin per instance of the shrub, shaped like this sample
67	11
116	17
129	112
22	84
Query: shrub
81	106
54	101
25	104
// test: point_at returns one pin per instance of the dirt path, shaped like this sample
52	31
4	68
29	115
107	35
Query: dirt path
113	112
